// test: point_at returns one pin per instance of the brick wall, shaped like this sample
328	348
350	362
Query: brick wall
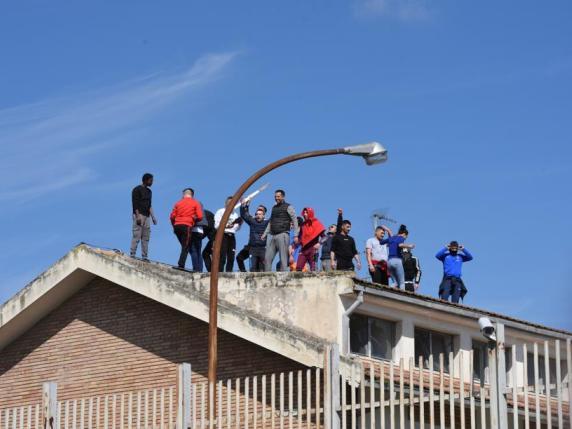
107	339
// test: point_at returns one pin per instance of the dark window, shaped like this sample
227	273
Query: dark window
429	343
542	373
480	362
371	337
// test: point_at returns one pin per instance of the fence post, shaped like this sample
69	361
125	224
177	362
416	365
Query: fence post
184	396
332	387
497	366
50	405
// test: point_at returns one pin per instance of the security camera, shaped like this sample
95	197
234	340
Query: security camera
487	329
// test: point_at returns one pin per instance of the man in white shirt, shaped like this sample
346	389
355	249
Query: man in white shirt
228	245
376	255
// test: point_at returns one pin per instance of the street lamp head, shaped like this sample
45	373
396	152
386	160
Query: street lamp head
373	153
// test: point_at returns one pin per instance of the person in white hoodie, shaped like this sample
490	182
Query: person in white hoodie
228	246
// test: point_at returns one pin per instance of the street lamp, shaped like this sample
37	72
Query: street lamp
372	153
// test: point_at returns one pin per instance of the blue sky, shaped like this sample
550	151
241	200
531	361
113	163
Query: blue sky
473	102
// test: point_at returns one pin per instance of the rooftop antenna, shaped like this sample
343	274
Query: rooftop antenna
380	215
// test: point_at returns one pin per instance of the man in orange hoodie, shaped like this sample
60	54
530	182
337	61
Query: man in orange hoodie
186	213
311	229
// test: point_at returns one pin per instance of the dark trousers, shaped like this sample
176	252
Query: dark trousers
196	244
227	251
451	287
257	258
306	255
183	233
241	257
344	264
379	273
207	253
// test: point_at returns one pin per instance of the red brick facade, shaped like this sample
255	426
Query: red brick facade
108	339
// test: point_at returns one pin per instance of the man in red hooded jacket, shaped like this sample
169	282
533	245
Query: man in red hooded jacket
310	232
186	213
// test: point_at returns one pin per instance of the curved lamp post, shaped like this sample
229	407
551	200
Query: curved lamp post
373	153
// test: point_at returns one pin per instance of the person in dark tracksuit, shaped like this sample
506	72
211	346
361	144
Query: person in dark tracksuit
209	232
412	270
343	250
256	245
142	216
453	255
326	243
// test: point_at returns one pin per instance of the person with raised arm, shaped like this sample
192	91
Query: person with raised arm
395	244
343	251
453	255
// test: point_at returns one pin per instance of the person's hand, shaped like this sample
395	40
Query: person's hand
154	220
371	268
317	246
416	286
461	247
340	211
334	264
359	265
296	240
263	237
291	260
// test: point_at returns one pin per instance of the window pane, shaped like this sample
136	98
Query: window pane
480	361
422	346
441	344
358	334
381	338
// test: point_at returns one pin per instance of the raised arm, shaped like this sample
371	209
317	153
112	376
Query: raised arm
466	255
244	214
441	254
340	221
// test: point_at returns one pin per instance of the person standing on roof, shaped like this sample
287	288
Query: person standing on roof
209	232
344	251
142	216
311	230
256	245
377	255
326	243
411	269
185	214
282	219
395	245
197	235
452	256
228	245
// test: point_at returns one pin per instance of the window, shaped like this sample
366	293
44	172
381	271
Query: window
430	343
480	362
371	337
542	373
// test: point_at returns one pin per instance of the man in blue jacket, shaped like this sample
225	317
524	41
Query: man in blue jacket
453	256
256	245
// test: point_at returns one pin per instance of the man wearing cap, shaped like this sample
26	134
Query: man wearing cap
453	255
186	213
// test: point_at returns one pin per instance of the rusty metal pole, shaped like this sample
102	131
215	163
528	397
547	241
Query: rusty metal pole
213	300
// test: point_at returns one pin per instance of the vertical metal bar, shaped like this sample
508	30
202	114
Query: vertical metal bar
569	367
171	405
255	401
308	398
194	395
514	389
281	400
441	390
421	394
97	407
300	405
401	396
451	391
525	385
362	397
290	400
153	409
28	419
318	389
353	397
411	394
263	387
246	401
344	403
237	403
228	404
371	396
547	384
121	413
431	393
559	391
483	403
219	420
462	389
146	410
381	394
129	411
391	397
536	387
501	376
471	390
74	415
273	399
161	414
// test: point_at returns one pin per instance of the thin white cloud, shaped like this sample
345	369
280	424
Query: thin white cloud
45	146
403	10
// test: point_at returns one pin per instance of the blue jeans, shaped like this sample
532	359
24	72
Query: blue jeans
396	271
195	251
451	287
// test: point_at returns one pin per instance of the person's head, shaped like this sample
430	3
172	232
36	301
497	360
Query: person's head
227	201
453	247
279	195
147	179
405	253
346	226
332	229
379	232
259	214
188	193
403	231
263	208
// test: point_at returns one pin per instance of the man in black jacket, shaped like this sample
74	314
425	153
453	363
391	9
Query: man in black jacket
344	250
142	216
256	245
